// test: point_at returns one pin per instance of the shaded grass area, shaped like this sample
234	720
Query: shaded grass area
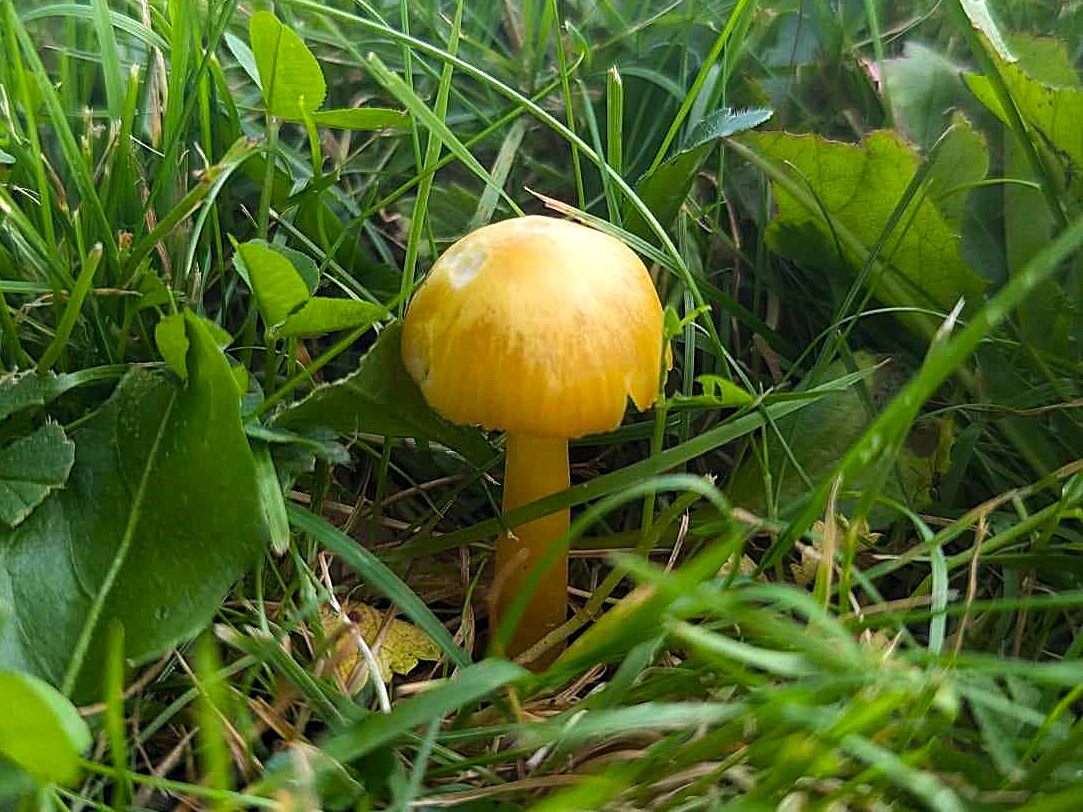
837	567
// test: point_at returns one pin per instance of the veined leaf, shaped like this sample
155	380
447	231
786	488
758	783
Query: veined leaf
160	515
398	650
859	186
1054	110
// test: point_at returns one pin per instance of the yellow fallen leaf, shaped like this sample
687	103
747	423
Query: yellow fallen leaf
400	647
804	572
747	567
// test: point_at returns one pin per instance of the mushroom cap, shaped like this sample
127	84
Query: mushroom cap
538	326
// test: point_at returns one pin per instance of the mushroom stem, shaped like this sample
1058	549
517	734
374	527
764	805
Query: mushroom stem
534	468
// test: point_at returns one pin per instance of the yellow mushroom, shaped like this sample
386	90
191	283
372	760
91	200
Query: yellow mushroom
544	329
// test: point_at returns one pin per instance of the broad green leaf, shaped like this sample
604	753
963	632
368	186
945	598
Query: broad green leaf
278	286
1053	110
1045	59
153	292
859	186
40	730
380	397
665	188
321	315
219	335
171	337
243	54
305	265
361	118
20	390
818	437
160	515
981	17
6	157
963	161
289	74
30	469
924	86
1048	94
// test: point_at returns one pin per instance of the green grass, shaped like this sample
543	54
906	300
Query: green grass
839	566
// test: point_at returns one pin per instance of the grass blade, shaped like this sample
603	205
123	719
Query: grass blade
379	577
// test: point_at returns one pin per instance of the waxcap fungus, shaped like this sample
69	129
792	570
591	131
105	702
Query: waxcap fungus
536	325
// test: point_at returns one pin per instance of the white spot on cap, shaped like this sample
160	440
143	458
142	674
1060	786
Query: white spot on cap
462	266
